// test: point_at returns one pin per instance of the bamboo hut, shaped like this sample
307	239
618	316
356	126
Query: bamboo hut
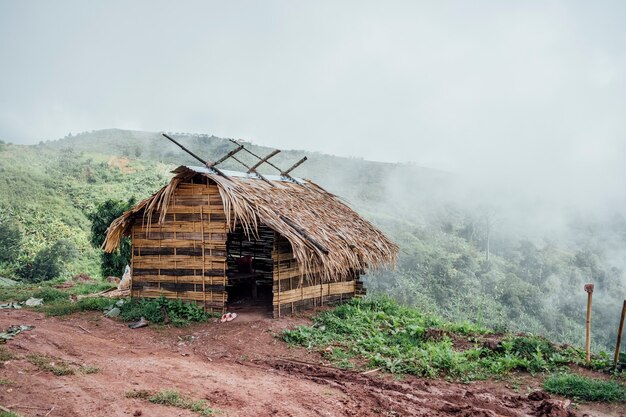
210	236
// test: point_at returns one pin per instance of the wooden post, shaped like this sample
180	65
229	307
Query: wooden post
589	290
619	336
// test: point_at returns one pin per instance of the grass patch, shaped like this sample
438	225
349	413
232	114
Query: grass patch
65	307
9	414
88	369
6	382
51	364
587	389
173	398
179	312
395	338
140	394
47	291
6	354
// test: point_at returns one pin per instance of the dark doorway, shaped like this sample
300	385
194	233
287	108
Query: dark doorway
250	270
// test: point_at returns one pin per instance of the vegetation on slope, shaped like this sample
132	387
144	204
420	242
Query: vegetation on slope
580	387
383	334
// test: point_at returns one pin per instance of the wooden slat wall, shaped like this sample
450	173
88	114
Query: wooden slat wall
292	292
185	257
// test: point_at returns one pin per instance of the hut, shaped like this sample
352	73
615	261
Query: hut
215	237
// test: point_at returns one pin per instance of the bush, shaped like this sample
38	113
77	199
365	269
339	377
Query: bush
48	263
179	312
583	388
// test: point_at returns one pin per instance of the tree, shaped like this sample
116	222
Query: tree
101	218
10	241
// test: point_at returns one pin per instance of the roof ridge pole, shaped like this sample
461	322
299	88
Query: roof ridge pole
255	172
205	163
267	162
228	155
294	166
258	164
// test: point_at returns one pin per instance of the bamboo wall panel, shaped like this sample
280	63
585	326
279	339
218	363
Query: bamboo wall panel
293	292
185	256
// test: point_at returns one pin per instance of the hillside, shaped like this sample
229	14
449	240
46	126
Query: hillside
531	282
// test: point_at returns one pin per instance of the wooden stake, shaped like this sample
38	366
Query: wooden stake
589	290
619	336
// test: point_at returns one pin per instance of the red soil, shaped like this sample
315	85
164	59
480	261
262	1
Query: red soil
239	368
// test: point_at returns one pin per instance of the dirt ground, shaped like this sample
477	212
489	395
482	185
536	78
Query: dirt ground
240	368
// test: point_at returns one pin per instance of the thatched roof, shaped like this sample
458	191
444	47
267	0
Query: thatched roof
326	235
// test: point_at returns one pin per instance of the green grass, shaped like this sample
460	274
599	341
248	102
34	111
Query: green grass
9	414
175	399
6	354
386	335
51	364
56	302
65	307
6	382
48	293
88	369
583	388
140	394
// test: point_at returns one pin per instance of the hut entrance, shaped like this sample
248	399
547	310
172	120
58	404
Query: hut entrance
250	269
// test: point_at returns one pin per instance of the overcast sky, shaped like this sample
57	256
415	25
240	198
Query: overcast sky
526	86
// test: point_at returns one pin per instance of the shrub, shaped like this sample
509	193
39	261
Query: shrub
155	310
48	263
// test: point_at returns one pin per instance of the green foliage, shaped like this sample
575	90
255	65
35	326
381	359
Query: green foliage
155	310
584	388
49	262
104	214
175	399
402	340
10	241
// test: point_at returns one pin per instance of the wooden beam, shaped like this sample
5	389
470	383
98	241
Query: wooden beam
255	166
205	163
267	162
228	155
256	173
294	166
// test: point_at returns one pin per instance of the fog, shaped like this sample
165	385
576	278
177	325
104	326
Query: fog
531	89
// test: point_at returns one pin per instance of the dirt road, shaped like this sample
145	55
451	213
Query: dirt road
240	368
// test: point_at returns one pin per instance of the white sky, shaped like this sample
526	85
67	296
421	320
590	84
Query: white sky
529	87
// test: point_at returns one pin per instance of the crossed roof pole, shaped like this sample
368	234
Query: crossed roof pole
212	166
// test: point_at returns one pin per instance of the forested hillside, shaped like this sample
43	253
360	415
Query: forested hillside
462	255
